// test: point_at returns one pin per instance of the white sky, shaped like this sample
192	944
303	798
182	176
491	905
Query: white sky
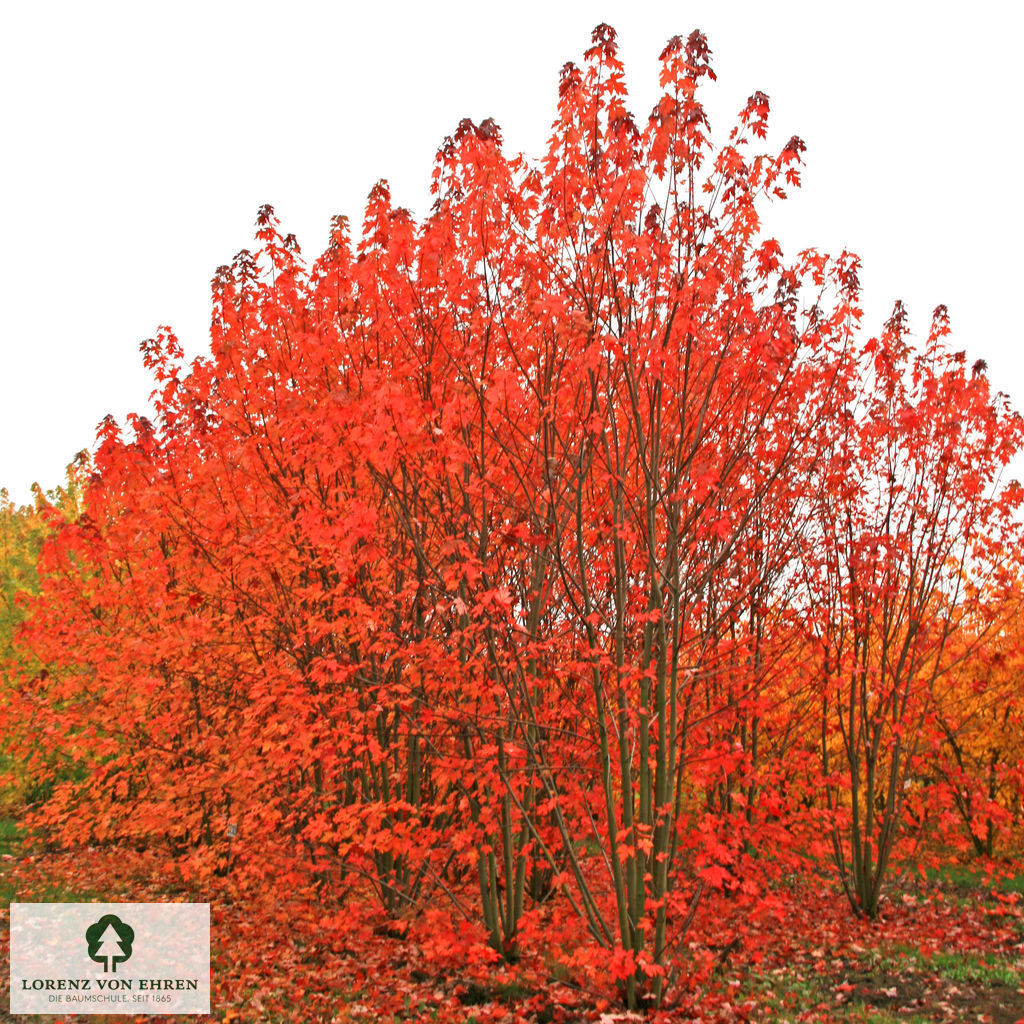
139	141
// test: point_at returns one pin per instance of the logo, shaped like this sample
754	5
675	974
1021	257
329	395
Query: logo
137	959
110	941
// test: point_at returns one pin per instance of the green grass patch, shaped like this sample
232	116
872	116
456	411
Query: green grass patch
884	984
10	836
974	876
788	994
984	969
12	839
10	846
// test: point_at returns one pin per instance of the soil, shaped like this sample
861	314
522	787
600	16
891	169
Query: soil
913	991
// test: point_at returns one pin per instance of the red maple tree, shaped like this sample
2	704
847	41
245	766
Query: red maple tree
523	574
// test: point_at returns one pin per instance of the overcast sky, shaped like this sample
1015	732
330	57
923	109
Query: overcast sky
139	141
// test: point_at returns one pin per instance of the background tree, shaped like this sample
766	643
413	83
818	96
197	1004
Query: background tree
913	528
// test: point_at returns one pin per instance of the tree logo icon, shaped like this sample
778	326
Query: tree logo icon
110	941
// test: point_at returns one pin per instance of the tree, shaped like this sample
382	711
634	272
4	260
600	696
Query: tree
477	571
23	529
914	527
976	756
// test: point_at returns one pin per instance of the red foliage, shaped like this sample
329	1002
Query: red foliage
488	583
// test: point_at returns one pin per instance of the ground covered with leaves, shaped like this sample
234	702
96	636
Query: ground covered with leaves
951	948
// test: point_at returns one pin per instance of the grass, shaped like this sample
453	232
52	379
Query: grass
918	987
973	876
963	968
11	843
10	835
787	996
10	846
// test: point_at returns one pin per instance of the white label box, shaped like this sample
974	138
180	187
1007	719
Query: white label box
135	958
